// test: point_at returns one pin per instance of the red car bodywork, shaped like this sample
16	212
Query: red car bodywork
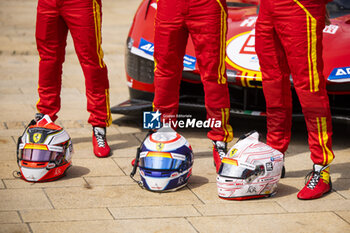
242	64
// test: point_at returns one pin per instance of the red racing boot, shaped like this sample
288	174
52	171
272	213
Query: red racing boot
318	184
219	151
99	142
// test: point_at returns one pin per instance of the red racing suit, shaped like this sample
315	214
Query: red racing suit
289	41
83	19
206	22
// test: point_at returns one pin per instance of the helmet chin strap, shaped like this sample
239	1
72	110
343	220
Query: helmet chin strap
135	167
137	158
16	174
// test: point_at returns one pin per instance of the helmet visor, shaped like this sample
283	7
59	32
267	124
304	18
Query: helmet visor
160	161
232	169
36	155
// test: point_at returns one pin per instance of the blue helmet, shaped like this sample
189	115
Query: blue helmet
166	160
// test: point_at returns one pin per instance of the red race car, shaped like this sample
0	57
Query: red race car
244	77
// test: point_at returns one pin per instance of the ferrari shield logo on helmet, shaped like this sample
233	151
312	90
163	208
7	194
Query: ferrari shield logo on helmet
160	146
233	152
36	137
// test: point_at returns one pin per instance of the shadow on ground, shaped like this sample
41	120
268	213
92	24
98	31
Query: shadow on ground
285	190
76	171
198	180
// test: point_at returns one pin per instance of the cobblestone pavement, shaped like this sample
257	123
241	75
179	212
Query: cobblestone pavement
97	195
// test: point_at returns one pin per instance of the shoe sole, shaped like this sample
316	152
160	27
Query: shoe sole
325	194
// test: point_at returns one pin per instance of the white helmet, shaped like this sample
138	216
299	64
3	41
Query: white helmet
166	161
44	151
251	169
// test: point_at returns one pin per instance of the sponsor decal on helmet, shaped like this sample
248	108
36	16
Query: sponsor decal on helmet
180	180
251	189
269	166
276	158
58	171
247	165
266	179
50	166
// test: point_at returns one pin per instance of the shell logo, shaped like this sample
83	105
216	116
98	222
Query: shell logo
241	55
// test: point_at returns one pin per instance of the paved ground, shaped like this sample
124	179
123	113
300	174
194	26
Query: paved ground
98	195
